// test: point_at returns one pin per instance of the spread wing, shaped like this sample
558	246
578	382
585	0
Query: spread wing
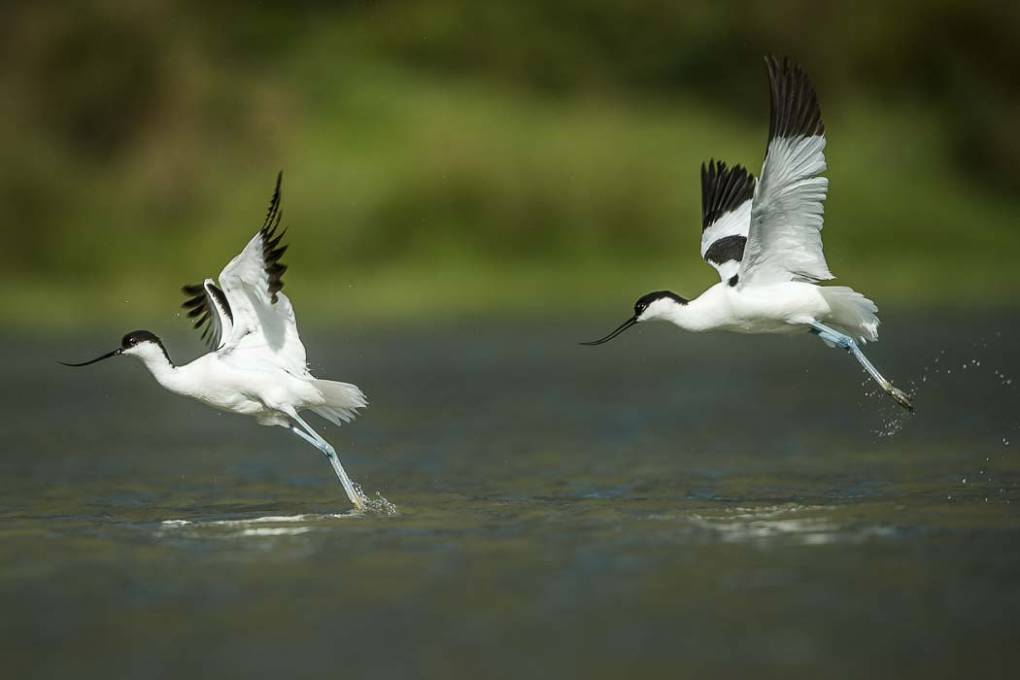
208	306
263	318
784	242
726	195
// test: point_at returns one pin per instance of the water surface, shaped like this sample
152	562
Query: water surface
665	505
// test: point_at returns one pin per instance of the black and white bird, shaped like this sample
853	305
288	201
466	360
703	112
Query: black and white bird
764	238
257	364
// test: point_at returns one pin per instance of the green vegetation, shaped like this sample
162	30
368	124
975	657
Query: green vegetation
424	176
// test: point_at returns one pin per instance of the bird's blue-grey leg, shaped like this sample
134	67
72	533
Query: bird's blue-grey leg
304	430
834	338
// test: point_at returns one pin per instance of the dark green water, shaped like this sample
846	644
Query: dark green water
664	506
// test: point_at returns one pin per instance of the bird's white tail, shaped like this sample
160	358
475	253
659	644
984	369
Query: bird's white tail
341	401
851	313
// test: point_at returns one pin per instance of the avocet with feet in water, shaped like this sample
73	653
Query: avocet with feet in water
764	238
257	363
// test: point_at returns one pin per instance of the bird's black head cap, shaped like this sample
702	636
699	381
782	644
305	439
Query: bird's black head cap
642	304
135	338
138	337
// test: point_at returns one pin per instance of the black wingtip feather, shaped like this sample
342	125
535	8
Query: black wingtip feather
272	243
795	110
193	302
270	240
723	189
272	214
200	309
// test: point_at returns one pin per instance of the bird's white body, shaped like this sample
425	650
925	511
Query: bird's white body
246	387
788	307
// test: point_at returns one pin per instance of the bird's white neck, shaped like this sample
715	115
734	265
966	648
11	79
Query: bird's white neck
690	317
695	315
165	373
159	365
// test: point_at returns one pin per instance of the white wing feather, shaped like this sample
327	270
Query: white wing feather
784	241
264	321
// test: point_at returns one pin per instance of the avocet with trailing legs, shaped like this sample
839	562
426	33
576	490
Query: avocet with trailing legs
764	238
257	364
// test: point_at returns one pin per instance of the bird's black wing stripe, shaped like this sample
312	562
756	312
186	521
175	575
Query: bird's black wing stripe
795	110
200	308
723	189
725	249
221	298
271	253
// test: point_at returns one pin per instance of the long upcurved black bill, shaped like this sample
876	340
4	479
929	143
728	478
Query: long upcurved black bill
86	363
622	327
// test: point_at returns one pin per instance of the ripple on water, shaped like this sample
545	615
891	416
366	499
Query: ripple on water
800	524
253	527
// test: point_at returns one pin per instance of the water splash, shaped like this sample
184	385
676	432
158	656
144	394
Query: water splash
893	417
375	506
939	367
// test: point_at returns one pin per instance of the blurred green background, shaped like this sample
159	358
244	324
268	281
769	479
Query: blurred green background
455	158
